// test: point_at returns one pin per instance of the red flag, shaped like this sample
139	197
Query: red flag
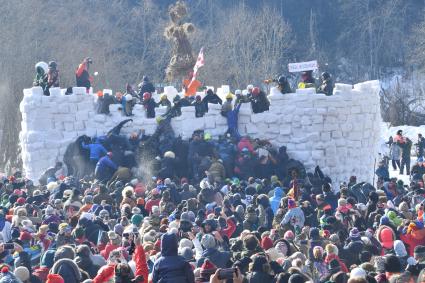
199	63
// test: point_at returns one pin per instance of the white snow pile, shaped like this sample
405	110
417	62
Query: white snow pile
340	133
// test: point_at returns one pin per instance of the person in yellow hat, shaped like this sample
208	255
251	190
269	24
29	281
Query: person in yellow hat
227	105
165	102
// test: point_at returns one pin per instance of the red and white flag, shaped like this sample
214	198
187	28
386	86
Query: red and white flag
199	63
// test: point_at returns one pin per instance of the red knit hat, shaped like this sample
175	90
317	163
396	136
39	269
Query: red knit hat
207	269
266	243
54	278
140	201
25	236
21	201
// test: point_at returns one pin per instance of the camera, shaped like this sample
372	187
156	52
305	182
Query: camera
226	273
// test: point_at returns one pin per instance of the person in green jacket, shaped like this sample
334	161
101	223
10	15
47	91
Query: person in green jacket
40	78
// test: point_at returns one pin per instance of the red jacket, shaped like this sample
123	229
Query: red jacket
139	258
41	273
107	250
413	239
231	228
331	257
244	142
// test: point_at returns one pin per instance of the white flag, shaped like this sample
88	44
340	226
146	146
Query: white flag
199	63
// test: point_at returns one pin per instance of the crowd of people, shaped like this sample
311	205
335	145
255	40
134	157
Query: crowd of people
398	151
235	209
47	76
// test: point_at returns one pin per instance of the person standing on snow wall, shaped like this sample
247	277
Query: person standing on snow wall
82	75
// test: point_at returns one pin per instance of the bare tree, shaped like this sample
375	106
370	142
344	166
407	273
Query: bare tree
249	45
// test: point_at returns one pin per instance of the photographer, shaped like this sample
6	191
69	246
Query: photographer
119	270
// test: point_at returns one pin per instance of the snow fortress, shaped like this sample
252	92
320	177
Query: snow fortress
339	133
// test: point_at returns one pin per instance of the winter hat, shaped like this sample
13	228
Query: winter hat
291	203
289	235
185	243
384	220
136	210
21	201
186	252
63	227
266	243
358	273
25	236
136	219
54	278
207	269
155	209
296	278
392	264
419	252
368	267
185	216
49	210
386	238
394	218
208	241
342	202
64	252
7	276
399	248
354	234
22	273
112	235
150	236
118	229
334	238
191	216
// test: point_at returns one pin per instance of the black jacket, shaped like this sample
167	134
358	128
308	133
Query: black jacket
146	87
150	105
211	98
327	87
260	103
170	267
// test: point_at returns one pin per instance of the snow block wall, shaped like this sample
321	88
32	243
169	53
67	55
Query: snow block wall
339	133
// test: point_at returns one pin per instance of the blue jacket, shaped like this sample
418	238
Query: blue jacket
218	258
232	117
96	150
104	163
383	173
170	267
275	200
332	200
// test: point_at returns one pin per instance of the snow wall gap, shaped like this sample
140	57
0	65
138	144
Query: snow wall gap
339	133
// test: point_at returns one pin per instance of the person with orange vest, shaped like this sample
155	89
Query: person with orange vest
82	75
